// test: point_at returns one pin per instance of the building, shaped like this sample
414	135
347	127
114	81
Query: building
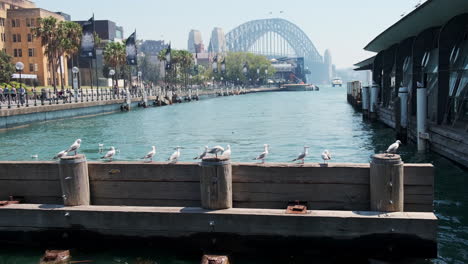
425	51
23	47
108	31
195	42
6	5
152	47
217	41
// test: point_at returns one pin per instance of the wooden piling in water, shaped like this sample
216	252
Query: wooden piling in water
74	180
216	183
213	259
386	183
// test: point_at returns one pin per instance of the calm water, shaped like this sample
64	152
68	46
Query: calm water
287	121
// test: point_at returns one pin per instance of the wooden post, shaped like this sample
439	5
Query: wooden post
73	172
216	183
213	259
386	183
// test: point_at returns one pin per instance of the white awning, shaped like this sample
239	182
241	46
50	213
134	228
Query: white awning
24	76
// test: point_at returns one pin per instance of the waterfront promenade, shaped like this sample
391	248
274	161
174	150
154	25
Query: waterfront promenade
90	102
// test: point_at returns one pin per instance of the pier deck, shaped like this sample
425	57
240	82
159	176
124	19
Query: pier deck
354	228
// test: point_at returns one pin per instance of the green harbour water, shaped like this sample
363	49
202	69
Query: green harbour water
285	120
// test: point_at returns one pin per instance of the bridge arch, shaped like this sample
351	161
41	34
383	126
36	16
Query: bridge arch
244	36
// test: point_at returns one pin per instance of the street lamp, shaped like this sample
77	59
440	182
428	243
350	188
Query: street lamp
214	66
223	67
19	67
112	74
75	71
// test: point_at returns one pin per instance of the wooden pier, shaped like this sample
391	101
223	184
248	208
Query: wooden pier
236	204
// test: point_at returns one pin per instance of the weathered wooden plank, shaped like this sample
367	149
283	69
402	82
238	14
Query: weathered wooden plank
140	171
419	199
31	170
183	221
418	207
307	192
419	174
29	188
310	174
312	205
145	202
449	133
145	190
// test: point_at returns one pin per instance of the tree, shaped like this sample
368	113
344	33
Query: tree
149	70
115	57
57	38
6	67
70	38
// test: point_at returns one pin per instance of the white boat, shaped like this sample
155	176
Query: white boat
337	82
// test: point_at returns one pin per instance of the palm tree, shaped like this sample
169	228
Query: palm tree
115	55
58	38
47	31
71	33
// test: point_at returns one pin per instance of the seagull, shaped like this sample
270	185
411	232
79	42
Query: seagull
215	150
227	152
110	154
326	155
264	153
393	147
303	155
150	154
75	146
101	147
61	154
201	156
175	156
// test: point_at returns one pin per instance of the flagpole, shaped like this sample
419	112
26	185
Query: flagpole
95	57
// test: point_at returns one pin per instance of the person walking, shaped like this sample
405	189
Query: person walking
13	93
22	93
6	93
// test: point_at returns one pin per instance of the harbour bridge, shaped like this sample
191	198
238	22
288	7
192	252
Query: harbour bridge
276	38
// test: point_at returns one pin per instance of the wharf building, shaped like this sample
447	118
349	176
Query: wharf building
420	76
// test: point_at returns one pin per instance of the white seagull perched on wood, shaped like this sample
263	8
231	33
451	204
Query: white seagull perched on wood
61	154
264	154
393	147
326	155
227	152
75	146
101	147
215	150
175	156
110	154
201	156
303	155
150	154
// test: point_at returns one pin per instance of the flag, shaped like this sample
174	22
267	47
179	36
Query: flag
195	66
87	40
223	66
131	49
215	64
168	57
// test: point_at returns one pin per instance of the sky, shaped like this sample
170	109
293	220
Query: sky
342	26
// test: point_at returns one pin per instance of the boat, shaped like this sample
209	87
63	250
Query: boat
337	82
